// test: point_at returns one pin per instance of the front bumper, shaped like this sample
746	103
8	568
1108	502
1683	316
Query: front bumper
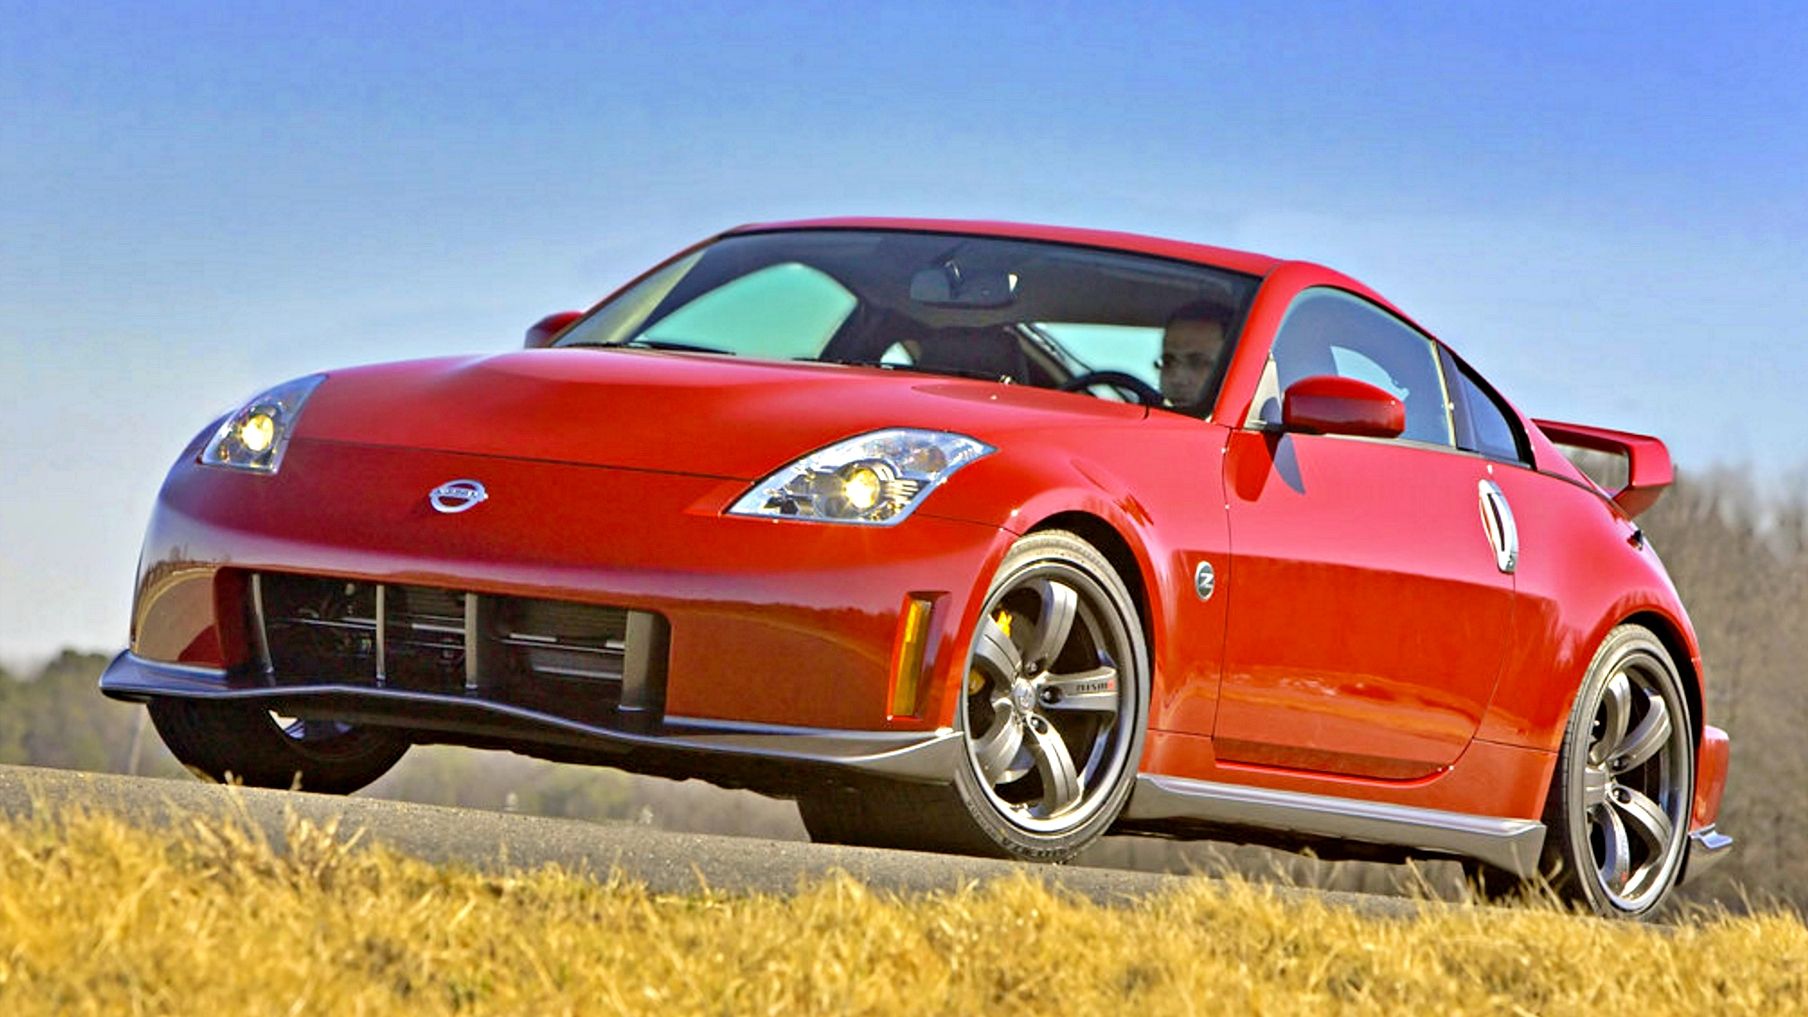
763	756
775	623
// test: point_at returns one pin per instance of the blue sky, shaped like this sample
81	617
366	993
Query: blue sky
1602	206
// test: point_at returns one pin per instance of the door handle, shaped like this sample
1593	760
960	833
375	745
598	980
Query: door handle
1497	522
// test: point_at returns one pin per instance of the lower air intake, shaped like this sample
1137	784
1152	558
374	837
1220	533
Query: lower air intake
584	662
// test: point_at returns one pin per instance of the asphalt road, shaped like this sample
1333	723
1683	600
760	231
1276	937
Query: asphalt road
666	862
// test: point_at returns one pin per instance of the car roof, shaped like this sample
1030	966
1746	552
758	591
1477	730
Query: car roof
1304	273
1134	243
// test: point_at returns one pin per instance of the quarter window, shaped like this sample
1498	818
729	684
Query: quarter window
1331	332
1488	426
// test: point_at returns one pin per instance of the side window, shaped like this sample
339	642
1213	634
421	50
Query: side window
783	312
1489	427
1351	364
1328	331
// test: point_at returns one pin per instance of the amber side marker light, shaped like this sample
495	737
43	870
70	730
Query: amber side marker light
907	655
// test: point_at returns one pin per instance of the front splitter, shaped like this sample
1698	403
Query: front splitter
920	756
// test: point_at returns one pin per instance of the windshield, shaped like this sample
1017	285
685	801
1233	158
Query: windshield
1118	326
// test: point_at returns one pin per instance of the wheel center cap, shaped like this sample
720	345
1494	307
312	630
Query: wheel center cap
1023	697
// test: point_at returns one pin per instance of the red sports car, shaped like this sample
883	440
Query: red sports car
966	536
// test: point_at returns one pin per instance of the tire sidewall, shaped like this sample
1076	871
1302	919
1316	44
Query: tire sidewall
220	739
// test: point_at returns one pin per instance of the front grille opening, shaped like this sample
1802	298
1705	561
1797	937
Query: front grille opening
555	639
320	629
556	657
424	638
584	662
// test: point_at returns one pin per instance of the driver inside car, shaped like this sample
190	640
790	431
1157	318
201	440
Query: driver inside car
1191	345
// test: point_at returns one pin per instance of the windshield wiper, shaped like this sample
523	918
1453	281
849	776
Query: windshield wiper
958	372
652	344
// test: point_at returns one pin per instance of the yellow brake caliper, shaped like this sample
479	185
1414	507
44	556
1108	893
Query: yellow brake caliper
975	680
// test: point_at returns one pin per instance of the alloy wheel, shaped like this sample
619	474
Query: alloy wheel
1636	783
1048	710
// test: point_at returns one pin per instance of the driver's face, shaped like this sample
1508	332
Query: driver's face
1189	352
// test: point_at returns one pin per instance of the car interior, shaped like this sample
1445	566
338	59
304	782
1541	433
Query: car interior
1017	312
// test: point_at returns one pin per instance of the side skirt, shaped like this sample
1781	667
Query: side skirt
1509	844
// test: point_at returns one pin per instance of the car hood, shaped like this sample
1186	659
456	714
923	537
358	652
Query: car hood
699	414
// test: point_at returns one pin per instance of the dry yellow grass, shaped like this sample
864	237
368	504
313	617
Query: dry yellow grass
100	917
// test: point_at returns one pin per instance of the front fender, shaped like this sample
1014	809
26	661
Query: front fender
1155	492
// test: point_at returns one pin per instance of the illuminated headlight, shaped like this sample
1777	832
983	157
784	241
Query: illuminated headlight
254	438
875	479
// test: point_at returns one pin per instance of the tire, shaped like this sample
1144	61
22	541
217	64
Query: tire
1051	718
223	741
1618	813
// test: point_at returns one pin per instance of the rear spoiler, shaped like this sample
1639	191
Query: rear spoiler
1648	469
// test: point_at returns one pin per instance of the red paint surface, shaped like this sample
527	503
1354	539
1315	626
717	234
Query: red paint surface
543	332
1331	405
1648	468
1368	618
1710	777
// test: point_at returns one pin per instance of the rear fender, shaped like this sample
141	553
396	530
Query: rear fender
1583	570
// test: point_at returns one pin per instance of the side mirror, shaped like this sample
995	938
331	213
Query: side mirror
1326	404
546	329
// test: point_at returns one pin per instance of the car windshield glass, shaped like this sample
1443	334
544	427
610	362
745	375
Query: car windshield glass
1021	312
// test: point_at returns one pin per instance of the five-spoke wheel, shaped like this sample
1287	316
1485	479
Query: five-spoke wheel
1053	707
1051	712
1044	698
1621	797
1629	790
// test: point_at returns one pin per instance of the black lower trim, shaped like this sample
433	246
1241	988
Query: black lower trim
762	757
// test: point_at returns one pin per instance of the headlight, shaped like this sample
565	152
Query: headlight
873	480
254	438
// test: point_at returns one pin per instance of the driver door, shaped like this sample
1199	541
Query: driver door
1370	614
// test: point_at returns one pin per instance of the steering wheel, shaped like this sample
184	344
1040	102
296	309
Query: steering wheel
1144	392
